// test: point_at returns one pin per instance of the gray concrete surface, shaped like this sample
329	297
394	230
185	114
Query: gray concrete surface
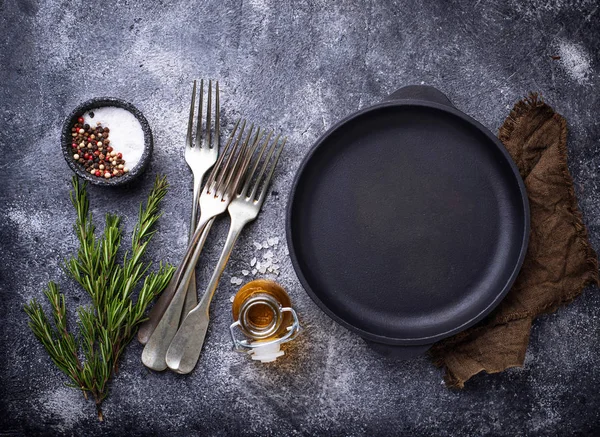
298	66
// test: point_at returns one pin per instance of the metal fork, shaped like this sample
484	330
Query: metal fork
185	349
200	156
218	192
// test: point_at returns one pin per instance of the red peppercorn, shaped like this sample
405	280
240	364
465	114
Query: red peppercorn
74	145
110	149
80	119
98	173
86	156
97	152
119	155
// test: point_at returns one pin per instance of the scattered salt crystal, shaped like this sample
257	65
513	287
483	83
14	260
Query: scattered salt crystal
271	241
253	271
245	272
231	298
267	263
262	269
265	245
258	246
287	252
258	264
253	262
268	255
233	280
126	134
270	269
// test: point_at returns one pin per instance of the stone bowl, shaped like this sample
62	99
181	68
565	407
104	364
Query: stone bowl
66	141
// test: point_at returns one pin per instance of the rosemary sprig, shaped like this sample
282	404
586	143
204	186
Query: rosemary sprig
109	323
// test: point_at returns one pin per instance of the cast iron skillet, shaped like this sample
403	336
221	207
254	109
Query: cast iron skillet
408	221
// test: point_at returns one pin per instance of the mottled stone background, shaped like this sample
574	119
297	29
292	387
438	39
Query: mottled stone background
298	66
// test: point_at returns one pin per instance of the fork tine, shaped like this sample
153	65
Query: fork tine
217	116
251	173
197	142
230	158
210	181
208	113
188	138
244	162
264	167
234	170
247	175
265	184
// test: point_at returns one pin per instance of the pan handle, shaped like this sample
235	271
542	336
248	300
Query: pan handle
420	92
399	352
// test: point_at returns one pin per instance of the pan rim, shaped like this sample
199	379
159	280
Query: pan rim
441	335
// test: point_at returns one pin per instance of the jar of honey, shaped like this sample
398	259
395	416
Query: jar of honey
262	311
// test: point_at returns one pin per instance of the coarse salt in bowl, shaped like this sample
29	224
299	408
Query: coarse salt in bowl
129	135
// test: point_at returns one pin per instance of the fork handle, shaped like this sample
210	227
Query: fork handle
160	306
191	298
153	355
186	346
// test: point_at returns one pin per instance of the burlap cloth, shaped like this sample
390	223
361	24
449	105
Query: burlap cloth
559	262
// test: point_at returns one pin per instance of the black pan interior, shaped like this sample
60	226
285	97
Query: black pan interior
407	223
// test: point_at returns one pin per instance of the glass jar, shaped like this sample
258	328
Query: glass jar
262	311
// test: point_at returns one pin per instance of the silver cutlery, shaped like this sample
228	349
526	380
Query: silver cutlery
214	199
186	346
200	157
